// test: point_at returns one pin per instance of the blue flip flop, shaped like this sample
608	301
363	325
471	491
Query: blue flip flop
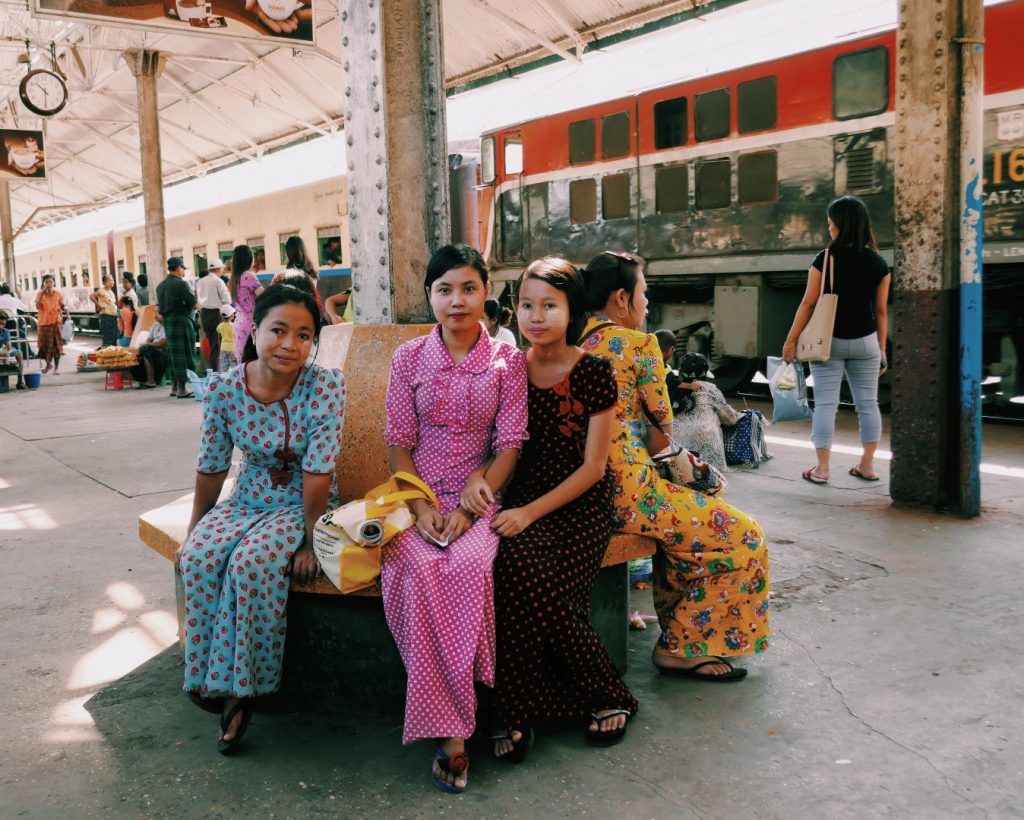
454	764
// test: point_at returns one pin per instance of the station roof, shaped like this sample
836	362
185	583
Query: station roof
228	100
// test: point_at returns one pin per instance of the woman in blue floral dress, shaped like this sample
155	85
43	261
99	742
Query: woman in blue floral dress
285	417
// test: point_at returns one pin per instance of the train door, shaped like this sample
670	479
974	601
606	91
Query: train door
511	216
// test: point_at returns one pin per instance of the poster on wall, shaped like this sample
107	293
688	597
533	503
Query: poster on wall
21	154
289	20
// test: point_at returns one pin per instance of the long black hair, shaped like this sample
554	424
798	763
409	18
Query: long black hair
850	216
608	272
296	257
497	312
283	293
241	261
450	257
563	276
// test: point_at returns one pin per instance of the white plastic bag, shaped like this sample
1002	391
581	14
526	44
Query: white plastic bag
789	391
67	330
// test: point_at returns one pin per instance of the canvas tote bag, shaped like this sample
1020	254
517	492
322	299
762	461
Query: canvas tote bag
348	542
815	341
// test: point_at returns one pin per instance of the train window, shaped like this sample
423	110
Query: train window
582	201
103	268
670	123
259	253
860	83
328	241
282	239
581	142
714	184
672	189
615	135
757	177
757	101
487	170
87	279
711	115
513	155
225	250
615	197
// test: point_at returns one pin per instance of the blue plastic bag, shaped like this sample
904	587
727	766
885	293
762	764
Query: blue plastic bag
789	390
198	384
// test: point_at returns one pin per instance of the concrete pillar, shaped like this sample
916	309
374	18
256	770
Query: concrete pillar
936	429
7	235
147	66
393	76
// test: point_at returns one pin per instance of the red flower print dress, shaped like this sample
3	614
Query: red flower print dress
439	603
233	564
551	664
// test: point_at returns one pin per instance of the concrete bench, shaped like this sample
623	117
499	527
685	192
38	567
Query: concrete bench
339	650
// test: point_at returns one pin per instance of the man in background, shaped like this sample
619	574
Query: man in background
176	302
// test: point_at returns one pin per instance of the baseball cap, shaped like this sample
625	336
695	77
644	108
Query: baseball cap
176	262
216	263
227	311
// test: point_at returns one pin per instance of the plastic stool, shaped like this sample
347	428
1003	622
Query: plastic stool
117	380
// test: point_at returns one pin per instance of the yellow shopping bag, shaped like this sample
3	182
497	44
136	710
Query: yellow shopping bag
348	541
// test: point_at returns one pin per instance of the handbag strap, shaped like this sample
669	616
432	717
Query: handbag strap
594	330
830	270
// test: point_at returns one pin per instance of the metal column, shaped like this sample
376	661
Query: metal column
7	235
393	75
147	66
936	432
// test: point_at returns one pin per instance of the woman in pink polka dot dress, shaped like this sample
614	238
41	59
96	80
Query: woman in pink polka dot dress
286	420
456	407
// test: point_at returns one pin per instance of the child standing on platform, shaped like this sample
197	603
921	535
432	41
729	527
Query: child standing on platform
226	331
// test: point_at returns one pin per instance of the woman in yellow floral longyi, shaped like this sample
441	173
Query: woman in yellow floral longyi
711	569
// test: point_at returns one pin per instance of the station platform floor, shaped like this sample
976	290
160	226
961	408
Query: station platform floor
892	688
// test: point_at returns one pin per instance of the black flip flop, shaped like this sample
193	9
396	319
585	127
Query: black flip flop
187	396
808	475
732	675
605	739
145	387
519	747
226	747
856	473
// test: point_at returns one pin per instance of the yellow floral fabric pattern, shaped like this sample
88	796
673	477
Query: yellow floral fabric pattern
711	578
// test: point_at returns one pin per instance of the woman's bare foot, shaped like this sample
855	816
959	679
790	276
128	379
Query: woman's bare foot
611	723
506	745
232	730
452	747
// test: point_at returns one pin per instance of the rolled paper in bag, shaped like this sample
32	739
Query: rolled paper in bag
371	532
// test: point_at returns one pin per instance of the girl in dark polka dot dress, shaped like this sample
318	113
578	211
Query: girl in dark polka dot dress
555	527
286	419
456	406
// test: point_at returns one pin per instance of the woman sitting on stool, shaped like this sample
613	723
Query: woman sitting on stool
286	419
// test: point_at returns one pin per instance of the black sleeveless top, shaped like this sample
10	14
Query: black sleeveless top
857	274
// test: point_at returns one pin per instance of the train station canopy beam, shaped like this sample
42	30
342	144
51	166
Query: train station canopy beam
221	101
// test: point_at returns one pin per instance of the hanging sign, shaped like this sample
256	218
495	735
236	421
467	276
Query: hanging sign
21	154
288	20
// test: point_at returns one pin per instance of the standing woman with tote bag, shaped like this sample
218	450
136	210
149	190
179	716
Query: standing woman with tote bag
859	279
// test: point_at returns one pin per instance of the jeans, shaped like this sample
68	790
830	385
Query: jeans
860	359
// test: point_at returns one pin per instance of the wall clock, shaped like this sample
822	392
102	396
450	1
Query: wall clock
43	92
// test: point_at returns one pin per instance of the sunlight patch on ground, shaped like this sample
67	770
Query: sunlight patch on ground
25	517
71	723
886	455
